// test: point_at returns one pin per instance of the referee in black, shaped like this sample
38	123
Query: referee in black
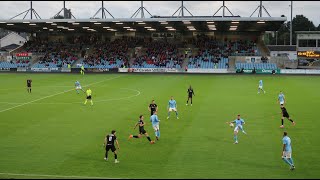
109	144
153	107
190	94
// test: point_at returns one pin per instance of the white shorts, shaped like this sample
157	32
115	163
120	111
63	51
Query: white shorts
78	87
281	102
237	128
174	109
155	127
286	154
260	87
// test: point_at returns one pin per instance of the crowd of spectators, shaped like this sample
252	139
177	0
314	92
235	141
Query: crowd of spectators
161	54
108	53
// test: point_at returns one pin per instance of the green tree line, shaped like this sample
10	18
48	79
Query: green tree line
282	36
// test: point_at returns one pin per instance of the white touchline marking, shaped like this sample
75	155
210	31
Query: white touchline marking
104	100
55	94
58	176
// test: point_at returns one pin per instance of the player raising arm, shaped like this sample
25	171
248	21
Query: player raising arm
238	126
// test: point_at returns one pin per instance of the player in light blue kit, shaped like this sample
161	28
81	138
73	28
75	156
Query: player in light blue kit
261	87
155	124
287	151
238	126
281	98
78	86
172	106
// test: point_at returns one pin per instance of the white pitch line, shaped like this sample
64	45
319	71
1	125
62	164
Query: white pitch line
57	176
55	94
103	100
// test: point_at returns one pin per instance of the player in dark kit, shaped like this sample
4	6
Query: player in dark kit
109	144
153	107
190	94
141	130
29	81
285	114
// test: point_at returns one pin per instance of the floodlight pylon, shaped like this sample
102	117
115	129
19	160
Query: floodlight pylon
31	10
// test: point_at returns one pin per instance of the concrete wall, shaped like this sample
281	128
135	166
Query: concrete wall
291	54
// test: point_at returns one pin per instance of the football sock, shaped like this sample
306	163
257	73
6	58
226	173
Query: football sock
282	122
158	133
106	155
235	138
286	161
291	120
168	113
86	102
115	156
77	91
136	136
91	102
177	113
191	101
291	161
30	90
244	132
149	138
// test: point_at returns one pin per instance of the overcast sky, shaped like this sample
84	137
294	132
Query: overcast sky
125	9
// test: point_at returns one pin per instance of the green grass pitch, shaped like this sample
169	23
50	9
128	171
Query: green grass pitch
50	133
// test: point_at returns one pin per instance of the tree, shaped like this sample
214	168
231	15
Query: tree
299	23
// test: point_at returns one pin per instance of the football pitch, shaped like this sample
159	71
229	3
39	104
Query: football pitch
50	133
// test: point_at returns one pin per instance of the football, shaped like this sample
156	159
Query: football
231	125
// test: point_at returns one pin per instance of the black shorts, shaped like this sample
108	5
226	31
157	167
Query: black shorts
286	115
88	97
152	112
142	131
108	147
28	85
190	96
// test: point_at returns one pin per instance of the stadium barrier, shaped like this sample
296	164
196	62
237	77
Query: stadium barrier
21	69
208	71
259	71
95	70
8	69
150	70
44	69
299	71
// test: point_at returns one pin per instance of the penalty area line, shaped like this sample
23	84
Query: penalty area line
57	176
55	94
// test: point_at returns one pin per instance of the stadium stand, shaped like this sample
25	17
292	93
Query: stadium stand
159	54
14	63
270	66
111	54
